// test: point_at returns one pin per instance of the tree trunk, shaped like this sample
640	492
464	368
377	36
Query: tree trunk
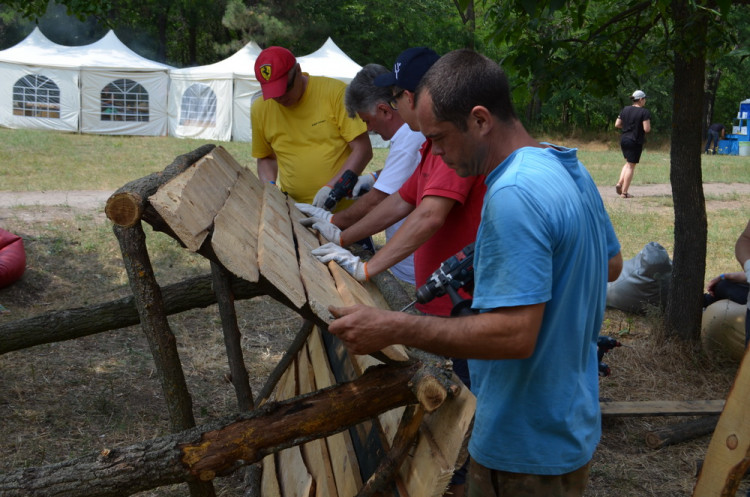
683	310
202	453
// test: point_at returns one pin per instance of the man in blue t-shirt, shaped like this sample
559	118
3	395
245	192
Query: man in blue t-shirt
544	252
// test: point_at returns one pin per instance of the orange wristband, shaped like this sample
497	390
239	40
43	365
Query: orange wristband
367	275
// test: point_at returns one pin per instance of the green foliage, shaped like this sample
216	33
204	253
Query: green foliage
34	9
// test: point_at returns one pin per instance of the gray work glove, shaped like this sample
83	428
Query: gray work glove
312	211
330	231
364	184
348	261
322	196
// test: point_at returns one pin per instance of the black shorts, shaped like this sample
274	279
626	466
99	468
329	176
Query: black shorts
631	150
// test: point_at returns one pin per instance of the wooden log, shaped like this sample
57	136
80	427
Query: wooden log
232	337
163	345
221	447
67	324
127	205
681	432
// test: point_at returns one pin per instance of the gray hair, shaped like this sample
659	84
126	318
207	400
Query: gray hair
362	95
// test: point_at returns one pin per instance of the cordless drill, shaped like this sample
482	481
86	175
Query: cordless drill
342	188
603	345
456	272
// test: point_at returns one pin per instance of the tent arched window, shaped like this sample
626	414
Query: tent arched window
36	96
198	107
124	100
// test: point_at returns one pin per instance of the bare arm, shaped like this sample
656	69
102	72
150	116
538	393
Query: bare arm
418	227
618	122
647	126
742	247
359	209
383	215
614	267
358	159
504	333
268	169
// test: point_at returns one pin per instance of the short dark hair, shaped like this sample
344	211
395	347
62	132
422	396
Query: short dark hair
463	79
362	95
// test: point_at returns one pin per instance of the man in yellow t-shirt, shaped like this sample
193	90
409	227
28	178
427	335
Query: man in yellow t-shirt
301	130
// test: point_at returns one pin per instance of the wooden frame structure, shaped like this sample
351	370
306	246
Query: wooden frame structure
215	207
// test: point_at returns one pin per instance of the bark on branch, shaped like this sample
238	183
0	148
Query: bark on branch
204	452
67	324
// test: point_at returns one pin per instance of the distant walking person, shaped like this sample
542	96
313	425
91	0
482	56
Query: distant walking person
715	131
635	121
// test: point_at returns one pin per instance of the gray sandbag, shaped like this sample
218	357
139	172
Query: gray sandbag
643	282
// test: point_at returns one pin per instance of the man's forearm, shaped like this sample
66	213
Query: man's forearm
358	159
268	169
418	227
387	212
742	247
359	209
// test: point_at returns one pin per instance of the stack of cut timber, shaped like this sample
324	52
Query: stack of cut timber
254	231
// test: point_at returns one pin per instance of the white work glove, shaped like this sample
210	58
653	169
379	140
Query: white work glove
364	184
312	211
330	231
322	196
350	262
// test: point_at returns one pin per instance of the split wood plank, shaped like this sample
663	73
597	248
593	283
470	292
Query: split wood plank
728	455
442	439
269	483
343	458
277	256
352	293
317	280
189	202
294	478
315	453
235	233
661	408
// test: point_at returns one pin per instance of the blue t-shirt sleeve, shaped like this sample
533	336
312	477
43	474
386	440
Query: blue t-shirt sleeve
518	267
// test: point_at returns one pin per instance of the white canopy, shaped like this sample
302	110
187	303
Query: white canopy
329	60
105	86
213	101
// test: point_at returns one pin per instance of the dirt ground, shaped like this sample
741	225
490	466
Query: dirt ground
67	399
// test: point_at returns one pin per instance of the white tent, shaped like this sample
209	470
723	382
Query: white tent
39	84
122	93
329	60
213	102
103	87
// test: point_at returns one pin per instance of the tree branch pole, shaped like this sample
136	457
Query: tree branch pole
67	324
219	448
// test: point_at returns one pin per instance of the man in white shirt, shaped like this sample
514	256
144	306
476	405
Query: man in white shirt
371	103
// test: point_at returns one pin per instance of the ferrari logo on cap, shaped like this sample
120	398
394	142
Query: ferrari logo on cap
265	71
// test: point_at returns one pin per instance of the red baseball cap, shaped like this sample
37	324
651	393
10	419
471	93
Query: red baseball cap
271	68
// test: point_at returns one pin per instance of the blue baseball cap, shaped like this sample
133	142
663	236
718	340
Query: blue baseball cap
410	66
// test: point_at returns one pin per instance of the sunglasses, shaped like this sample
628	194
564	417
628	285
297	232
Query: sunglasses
393	101
290	83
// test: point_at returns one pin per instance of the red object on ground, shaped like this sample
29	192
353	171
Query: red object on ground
12	258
